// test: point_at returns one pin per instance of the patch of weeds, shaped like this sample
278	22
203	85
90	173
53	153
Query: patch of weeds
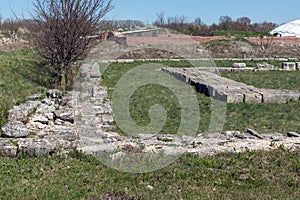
272	144
15	143
282	147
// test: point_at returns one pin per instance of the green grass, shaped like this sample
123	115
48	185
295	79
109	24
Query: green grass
268	79
265	118
249	175
21	74
239	33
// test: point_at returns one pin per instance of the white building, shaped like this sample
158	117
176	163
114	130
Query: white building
289	29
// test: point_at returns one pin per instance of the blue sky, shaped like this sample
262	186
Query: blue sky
278	11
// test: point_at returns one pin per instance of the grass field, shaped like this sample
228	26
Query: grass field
249	175
265	118
22	74
268	79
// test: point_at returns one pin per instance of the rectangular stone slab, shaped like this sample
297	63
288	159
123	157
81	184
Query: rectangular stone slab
230	91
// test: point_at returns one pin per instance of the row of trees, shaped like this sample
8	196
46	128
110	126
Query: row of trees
198	27
121	24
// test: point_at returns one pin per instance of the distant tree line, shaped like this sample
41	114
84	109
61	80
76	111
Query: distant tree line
120	24
225	26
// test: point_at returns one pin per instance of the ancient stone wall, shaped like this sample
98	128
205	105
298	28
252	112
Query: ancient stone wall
230	91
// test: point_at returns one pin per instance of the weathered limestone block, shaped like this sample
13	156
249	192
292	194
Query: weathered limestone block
35	126
48	102
41	119
165	138
279	96
34	97
264	66
14	129
107	119
239	65
55	94
7	148
234	97
44	109
289	66
64	115
99	92
253	97
22	112
63	132
224	89
41	147
298	65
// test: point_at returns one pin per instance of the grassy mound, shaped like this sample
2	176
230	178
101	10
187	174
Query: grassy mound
22	74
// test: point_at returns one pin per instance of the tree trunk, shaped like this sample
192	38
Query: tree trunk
63	77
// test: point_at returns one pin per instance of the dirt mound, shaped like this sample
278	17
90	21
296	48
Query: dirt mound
12	44
221	46
231	48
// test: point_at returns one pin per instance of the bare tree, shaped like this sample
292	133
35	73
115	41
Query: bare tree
182	19
160	19
0	21
246	21
225	22
10	26
61	28
265	43
198	21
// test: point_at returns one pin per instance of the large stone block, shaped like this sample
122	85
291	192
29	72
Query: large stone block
235	97
239	65
14	129
253	97
22	112
279	96
230	91
289	66
7	148
298	65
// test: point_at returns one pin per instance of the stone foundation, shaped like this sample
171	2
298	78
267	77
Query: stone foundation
227	90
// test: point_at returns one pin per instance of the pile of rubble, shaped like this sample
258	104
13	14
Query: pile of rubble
40	126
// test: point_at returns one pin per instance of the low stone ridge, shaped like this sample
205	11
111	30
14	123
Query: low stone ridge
239	65
14	129
227	90
40	127
202	144
23	111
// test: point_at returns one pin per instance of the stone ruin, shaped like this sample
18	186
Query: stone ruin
40	126
227	90
291	66
51	125
286	66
